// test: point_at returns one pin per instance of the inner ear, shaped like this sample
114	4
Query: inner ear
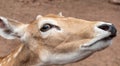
2	25
11	29
8	31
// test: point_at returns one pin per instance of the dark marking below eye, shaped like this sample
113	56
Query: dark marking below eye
57	27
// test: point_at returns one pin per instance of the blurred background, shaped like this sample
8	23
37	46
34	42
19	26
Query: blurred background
100	10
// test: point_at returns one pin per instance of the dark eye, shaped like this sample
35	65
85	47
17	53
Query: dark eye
46	27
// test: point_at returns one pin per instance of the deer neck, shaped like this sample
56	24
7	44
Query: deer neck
23	56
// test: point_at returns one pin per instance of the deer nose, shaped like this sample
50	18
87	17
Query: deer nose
110	28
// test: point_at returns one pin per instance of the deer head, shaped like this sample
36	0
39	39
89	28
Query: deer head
57	39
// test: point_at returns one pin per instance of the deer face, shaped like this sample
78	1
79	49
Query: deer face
60	35
66	32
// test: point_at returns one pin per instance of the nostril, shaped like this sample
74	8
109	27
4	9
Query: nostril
104	27
113	30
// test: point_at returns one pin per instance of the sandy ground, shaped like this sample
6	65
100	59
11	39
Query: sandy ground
26	11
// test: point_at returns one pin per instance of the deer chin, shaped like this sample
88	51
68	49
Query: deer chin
98	44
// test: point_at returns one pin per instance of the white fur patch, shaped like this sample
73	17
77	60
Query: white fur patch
44	21
62	58
20	30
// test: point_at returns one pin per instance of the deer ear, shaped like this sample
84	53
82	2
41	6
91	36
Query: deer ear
38	17
60	14
11	29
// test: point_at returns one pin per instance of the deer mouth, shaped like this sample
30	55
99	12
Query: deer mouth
109	37
105	39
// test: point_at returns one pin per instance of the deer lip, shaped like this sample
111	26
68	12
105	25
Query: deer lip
103	39
109	37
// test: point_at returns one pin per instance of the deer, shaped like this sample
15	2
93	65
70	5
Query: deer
54	40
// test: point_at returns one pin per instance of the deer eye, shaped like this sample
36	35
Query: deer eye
46	27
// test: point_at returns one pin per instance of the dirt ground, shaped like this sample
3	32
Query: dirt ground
26	11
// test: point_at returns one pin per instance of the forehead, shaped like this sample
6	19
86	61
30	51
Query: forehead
62	21
51	19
